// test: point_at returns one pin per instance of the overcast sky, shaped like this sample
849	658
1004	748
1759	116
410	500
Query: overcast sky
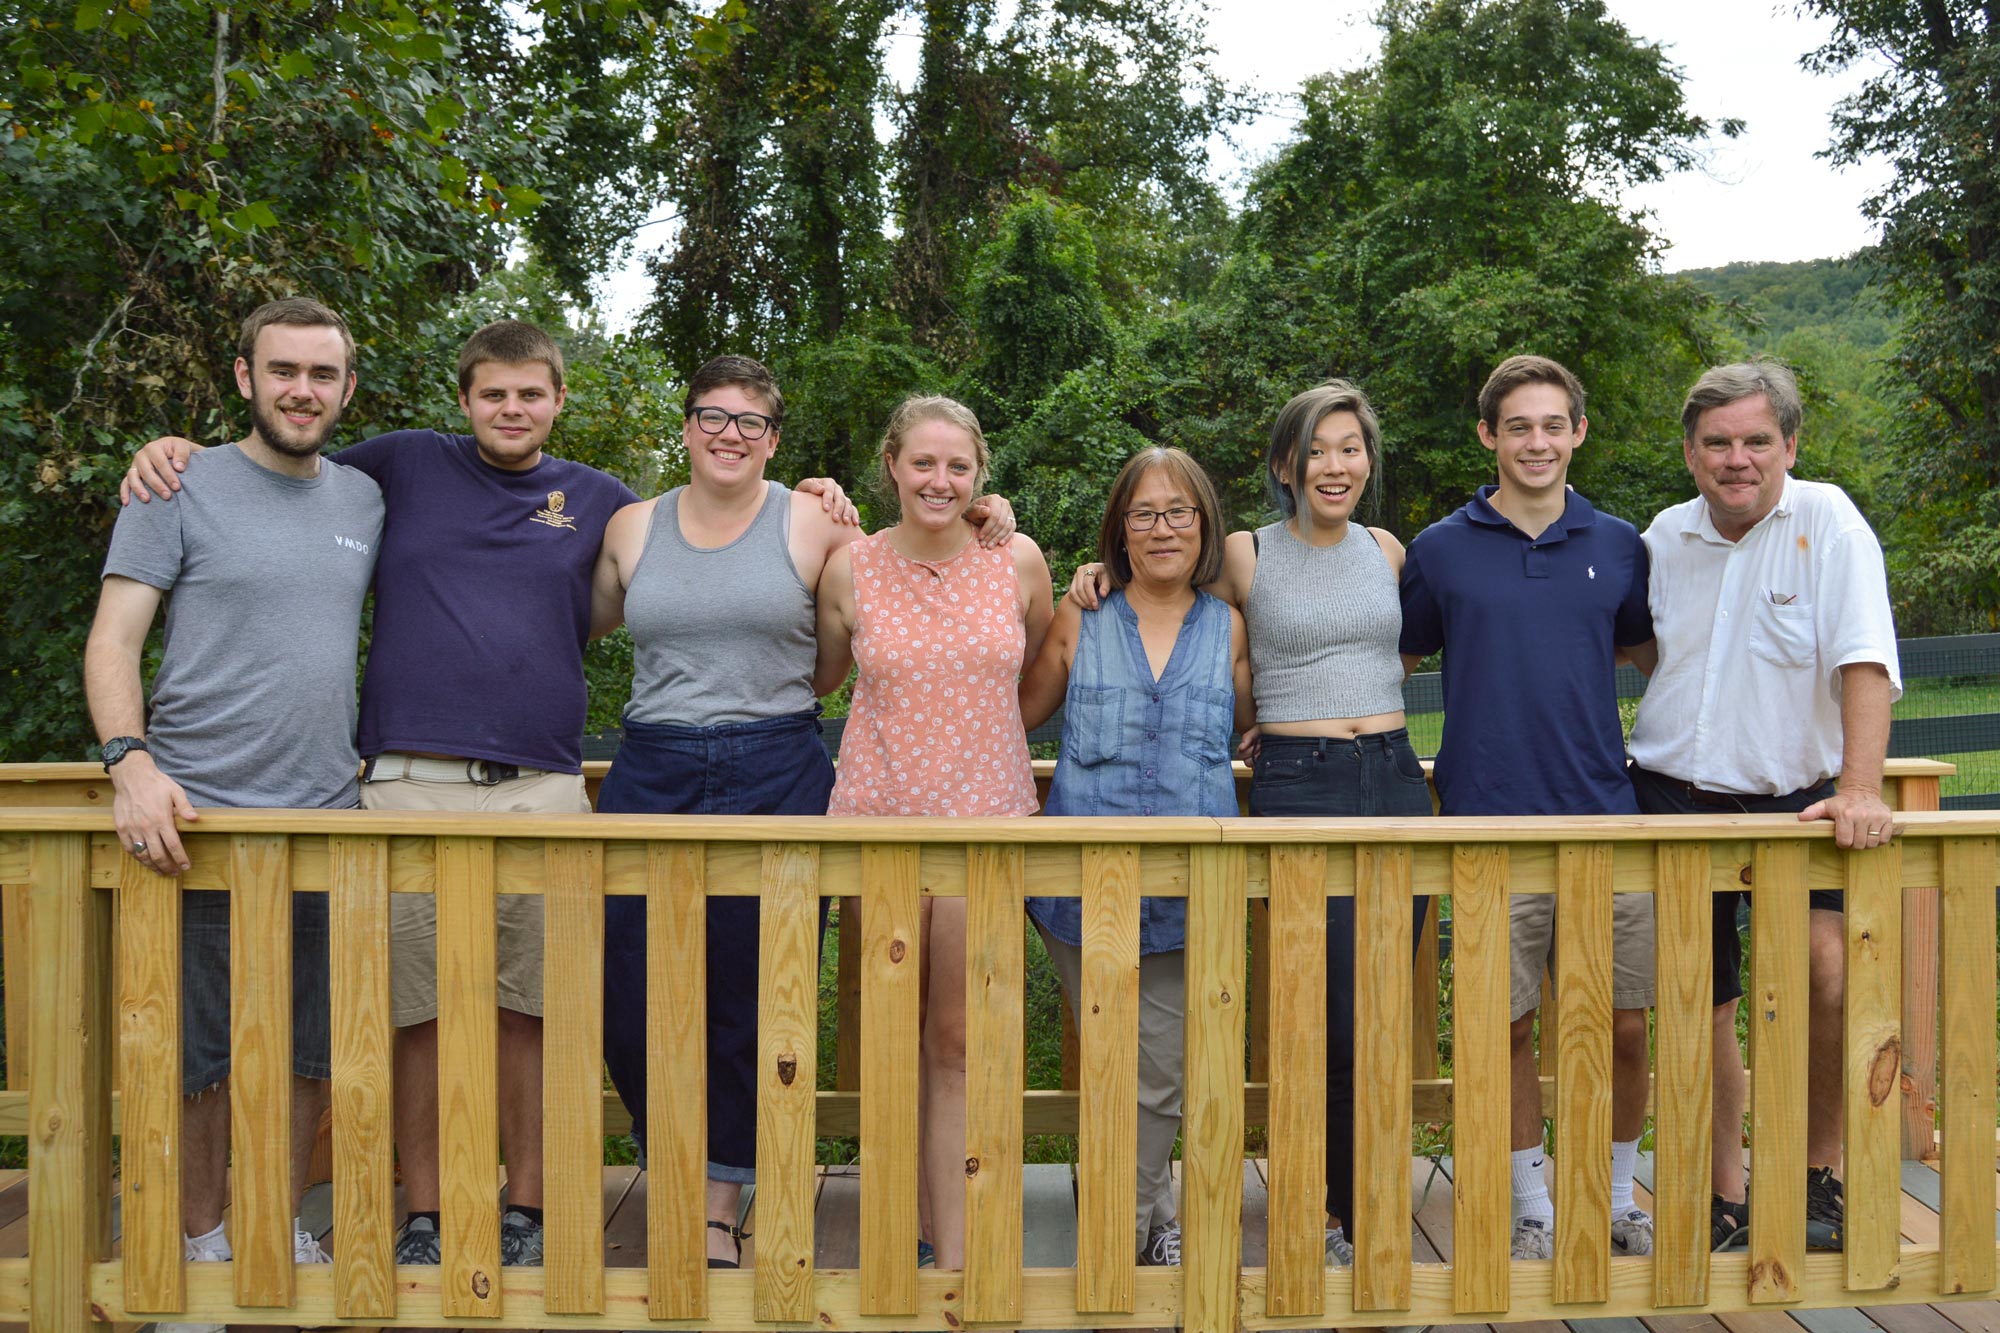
1764	195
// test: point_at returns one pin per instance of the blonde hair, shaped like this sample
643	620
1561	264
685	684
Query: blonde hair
914	411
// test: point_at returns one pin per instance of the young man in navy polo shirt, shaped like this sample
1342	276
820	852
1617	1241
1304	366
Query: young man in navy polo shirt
1531	593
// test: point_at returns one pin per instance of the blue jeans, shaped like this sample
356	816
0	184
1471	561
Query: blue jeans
1376	774
205	989
774	767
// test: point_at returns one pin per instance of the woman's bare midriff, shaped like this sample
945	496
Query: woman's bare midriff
1336	728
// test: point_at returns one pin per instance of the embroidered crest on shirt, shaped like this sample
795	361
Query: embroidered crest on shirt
1590	570
554	516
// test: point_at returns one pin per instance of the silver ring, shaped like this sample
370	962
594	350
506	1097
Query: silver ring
138	847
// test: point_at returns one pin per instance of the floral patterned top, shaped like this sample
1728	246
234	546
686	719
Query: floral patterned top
936	724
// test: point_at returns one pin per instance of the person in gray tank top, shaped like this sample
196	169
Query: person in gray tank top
1318	591
718	582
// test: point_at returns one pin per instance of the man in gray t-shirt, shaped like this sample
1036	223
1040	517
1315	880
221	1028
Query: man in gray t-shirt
264	568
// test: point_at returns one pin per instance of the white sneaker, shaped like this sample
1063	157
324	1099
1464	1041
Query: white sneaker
1533	1239
1632	1233
306	1249
207	1250
1339	1253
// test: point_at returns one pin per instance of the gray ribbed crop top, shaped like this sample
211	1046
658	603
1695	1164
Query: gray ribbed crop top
722	635
1324	625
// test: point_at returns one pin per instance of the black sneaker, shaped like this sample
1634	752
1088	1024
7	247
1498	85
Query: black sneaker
1826	1209
1728	1224
418	1242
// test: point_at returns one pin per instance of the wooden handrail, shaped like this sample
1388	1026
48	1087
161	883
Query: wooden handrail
68	860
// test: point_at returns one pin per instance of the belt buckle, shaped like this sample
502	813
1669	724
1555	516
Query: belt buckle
486	773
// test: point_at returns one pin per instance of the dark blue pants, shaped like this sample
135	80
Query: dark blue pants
1379	775
776	767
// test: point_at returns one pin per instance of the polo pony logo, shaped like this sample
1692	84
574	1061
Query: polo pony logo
554	516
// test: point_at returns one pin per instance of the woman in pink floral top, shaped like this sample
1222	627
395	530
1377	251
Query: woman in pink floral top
940	629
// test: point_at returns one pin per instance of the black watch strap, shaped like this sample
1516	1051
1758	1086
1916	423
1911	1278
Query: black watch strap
118	747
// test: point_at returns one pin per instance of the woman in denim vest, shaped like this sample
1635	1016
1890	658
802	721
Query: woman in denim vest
1151	684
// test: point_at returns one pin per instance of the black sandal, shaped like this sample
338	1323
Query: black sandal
735	1233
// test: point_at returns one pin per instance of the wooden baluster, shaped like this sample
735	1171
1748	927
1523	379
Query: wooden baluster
149	1046
995	981
847	998
364	1168
1583	1072
787	1032
676	1079
1872	1169
260	1067
14	957
1920	995
1382	985
1294	996
889	942
1212	1110
1966	980
468	1123
1108	1109
1779	1022
1424	1001
1482	1202
573	1077
1259	981
61	1227
1684	1105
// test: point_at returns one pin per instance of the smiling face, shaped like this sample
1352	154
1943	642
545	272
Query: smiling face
297	386
1739	456
1163	557
1336	470
1534	439
936	473
726	460
512	407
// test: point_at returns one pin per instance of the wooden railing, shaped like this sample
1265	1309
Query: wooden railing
1910	784
85	898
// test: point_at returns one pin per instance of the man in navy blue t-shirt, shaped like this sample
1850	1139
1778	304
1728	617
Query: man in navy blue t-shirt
1532	593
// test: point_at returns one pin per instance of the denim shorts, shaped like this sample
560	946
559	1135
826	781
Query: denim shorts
205	989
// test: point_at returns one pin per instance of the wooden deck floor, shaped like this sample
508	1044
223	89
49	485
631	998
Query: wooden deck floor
1050	1209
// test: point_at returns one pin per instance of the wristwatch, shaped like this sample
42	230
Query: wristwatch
118	747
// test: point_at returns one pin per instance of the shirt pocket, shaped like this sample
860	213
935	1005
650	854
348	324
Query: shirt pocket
1205	730
1784	635
1094	724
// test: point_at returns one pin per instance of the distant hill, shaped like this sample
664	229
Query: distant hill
1832	295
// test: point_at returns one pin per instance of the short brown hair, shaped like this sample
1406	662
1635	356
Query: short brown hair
298	312
511	342
914	411
746	374
1111	547
1516	371
1723	385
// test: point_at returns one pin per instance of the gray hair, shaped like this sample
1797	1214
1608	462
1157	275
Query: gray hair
1723	385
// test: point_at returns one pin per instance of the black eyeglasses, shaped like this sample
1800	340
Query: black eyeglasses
750	425
1142	520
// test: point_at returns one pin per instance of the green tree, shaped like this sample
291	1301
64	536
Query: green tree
1932	109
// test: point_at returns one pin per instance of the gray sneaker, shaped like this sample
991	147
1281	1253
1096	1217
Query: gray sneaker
417	1242
1339	1253
1632	1233
1533	1239
520	1241
1162	1248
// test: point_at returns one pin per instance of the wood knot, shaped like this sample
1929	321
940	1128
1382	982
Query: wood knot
1744	874
971	1167
896	951
788	1069
950	1319
1094	1009
482	1285
1885	1071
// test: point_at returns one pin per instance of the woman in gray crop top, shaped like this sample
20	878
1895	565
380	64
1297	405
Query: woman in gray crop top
1319	594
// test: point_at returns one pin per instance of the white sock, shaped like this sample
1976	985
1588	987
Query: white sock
215	1236
1624	1157
1531	1189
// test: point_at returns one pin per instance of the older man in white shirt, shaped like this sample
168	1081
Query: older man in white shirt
1777	668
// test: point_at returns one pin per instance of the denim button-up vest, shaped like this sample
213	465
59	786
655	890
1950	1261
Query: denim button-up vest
1133	745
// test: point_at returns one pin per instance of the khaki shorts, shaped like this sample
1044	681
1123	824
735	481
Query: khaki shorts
1532	924
517	917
